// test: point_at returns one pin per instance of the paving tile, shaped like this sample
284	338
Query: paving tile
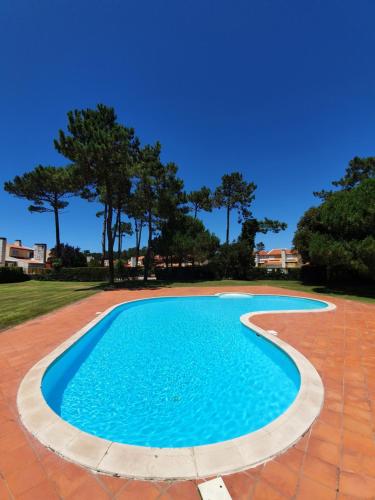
280	477
25	478
330	417
240	485
326	432
68	477
328	452
322	472
89	489
112	484
4	491
43	491
341	496
312	490
136	490
52	463
292	458
17	458
358	463
263	491
358	442
356	425
361	407
254	472
355	484
303	442
181	490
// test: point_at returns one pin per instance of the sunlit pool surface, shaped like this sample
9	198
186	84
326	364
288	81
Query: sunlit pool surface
175	372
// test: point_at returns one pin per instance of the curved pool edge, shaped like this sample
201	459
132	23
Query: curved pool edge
141	462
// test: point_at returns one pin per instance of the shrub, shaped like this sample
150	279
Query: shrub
258	273
69	256
74	274
233	261
190	273
12	275
215	271
86	274
313	275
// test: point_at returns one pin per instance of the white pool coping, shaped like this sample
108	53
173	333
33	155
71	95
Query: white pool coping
141	462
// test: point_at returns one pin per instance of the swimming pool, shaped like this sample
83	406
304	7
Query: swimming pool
176	372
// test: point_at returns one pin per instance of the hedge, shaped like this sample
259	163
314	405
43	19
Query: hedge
190	273
313	275
210	272
85	274
12	275
277	274
74	274
337	275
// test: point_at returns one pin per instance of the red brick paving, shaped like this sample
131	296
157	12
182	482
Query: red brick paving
334	460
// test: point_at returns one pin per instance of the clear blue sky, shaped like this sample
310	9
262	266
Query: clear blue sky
282	91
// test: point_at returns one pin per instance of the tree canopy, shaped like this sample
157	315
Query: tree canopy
67	256
105	153
358	170
200	200
48	188
234	193
340	233
160	190
185	239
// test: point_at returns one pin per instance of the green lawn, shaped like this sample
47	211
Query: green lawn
22	301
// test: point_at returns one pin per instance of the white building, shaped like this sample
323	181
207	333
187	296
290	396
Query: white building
278	258
17	255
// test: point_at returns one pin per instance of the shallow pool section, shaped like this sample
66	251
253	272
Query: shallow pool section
176	372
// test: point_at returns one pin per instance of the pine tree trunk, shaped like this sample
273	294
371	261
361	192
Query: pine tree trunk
57	229
118	225
137	229
228	220
148	253
138	236
110	237
104	233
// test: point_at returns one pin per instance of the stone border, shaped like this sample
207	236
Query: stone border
141	462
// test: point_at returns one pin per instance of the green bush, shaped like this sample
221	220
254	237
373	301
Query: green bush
313	275
12	275
338	275
258	273
87	274
294	274
213	271
190	273
233	261
74	274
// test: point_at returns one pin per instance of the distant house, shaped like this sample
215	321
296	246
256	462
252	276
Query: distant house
17	255
278	258
158	261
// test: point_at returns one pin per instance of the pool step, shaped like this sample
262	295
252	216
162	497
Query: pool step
214	489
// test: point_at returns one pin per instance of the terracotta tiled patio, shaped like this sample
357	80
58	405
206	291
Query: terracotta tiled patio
334	460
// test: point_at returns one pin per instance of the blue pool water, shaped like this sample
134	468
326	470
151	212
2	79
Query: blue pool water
174	372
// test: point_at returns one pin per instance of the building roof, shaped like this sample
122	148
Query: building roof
277	252
13	245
